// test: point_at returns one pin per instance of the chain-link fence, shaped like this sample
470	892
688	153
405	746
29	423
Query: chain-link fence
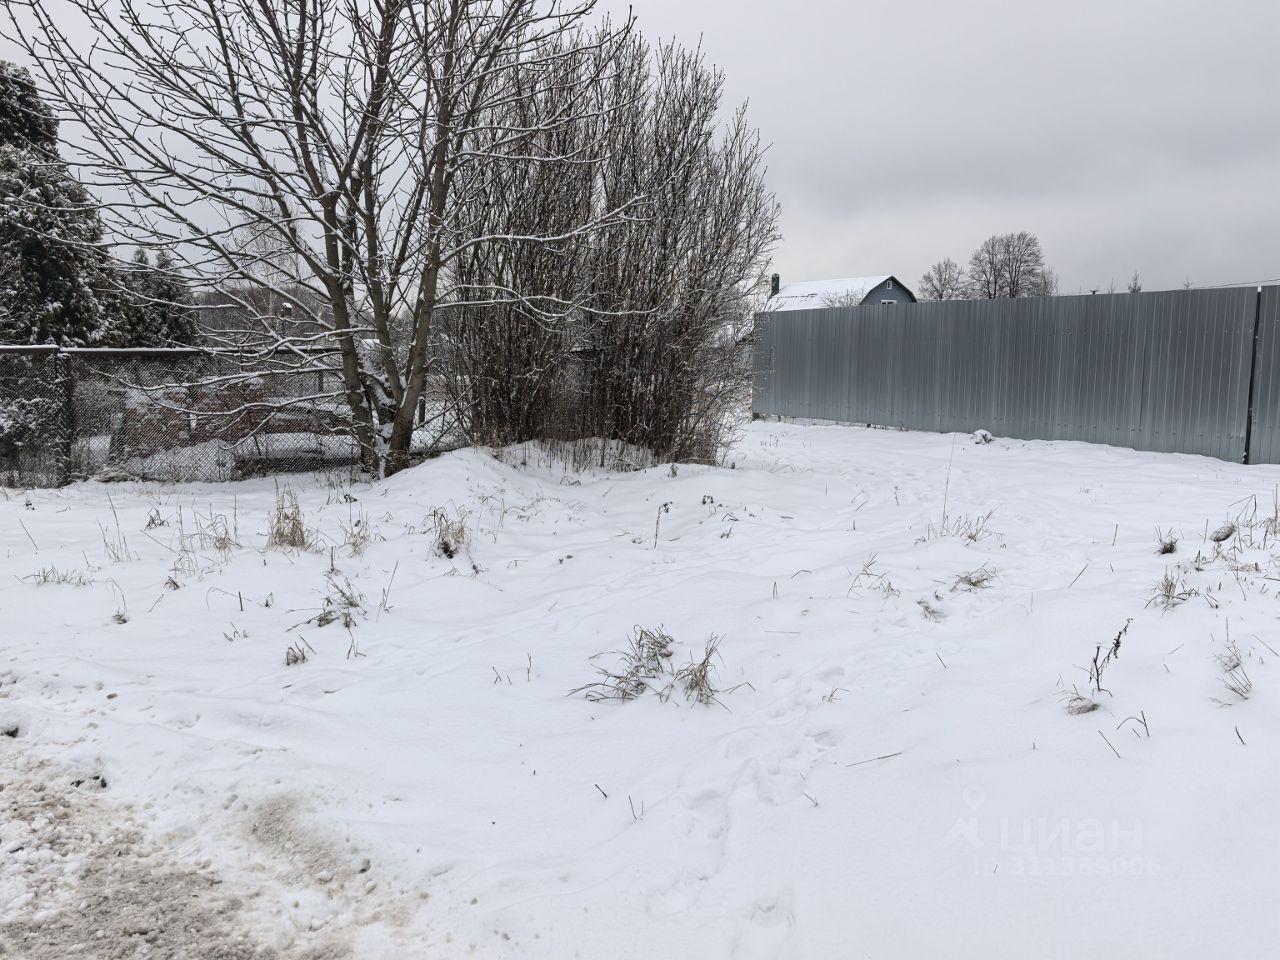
207	415
35	417
173	415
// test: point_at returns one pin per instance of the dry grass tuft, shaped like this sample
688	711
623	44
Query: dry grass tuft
642	666
1166	543
868	576
357	534
974	580
297	653
1171	591
969	529
114	545
449	533
73	578
1231	660
219	534
929	611
343	603
287	529
1224	532
1237	679
1078	704
1238	682
648	665
697	677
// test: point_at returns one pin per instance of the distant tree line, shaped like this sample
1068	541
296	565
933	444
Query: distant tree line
1005	266
60	282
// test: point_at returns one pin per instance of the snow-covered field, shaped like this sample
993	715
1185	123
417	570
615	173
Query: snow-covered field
903	759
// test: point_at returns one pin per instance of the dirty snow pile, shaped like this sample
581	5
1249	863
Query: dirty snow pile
856	694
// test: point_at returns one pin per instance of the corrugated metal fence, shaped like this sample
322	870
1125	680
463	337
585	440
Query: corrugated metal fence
1172	371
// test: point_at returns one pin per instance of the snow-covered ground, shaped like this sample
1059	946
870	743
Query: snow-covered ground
898	764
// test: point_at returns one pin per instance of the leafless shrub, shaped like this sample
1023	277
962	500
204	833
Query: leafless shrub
656	355
974	580
286	528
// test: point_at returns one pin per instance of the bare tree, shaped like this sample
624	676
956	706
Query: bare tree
348	134
1046	285
1008	266
845	298
986	270
945	280
1135	283
1024	265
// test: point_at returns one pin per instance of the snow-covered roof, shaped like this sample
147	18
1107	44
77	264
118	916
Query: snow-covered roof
814	294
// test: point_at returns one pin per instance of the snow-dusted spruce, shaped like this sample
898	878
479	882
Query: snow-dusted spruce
55	284
349	136
159	309
59	283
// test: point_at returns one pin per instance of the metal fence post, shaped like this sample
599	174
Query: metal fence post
1252	413
64	364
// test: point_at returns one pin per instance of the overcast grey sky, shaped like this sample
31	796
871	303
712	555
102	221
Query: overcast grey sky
1128	134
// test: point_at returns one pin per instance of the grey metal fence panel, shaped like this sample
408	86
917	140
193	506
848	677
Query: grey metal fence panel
1264	445
1166	371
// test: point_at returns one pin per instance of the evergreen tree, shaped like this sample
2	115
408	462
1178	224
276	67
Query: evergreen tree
26	121
55	276
160	311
